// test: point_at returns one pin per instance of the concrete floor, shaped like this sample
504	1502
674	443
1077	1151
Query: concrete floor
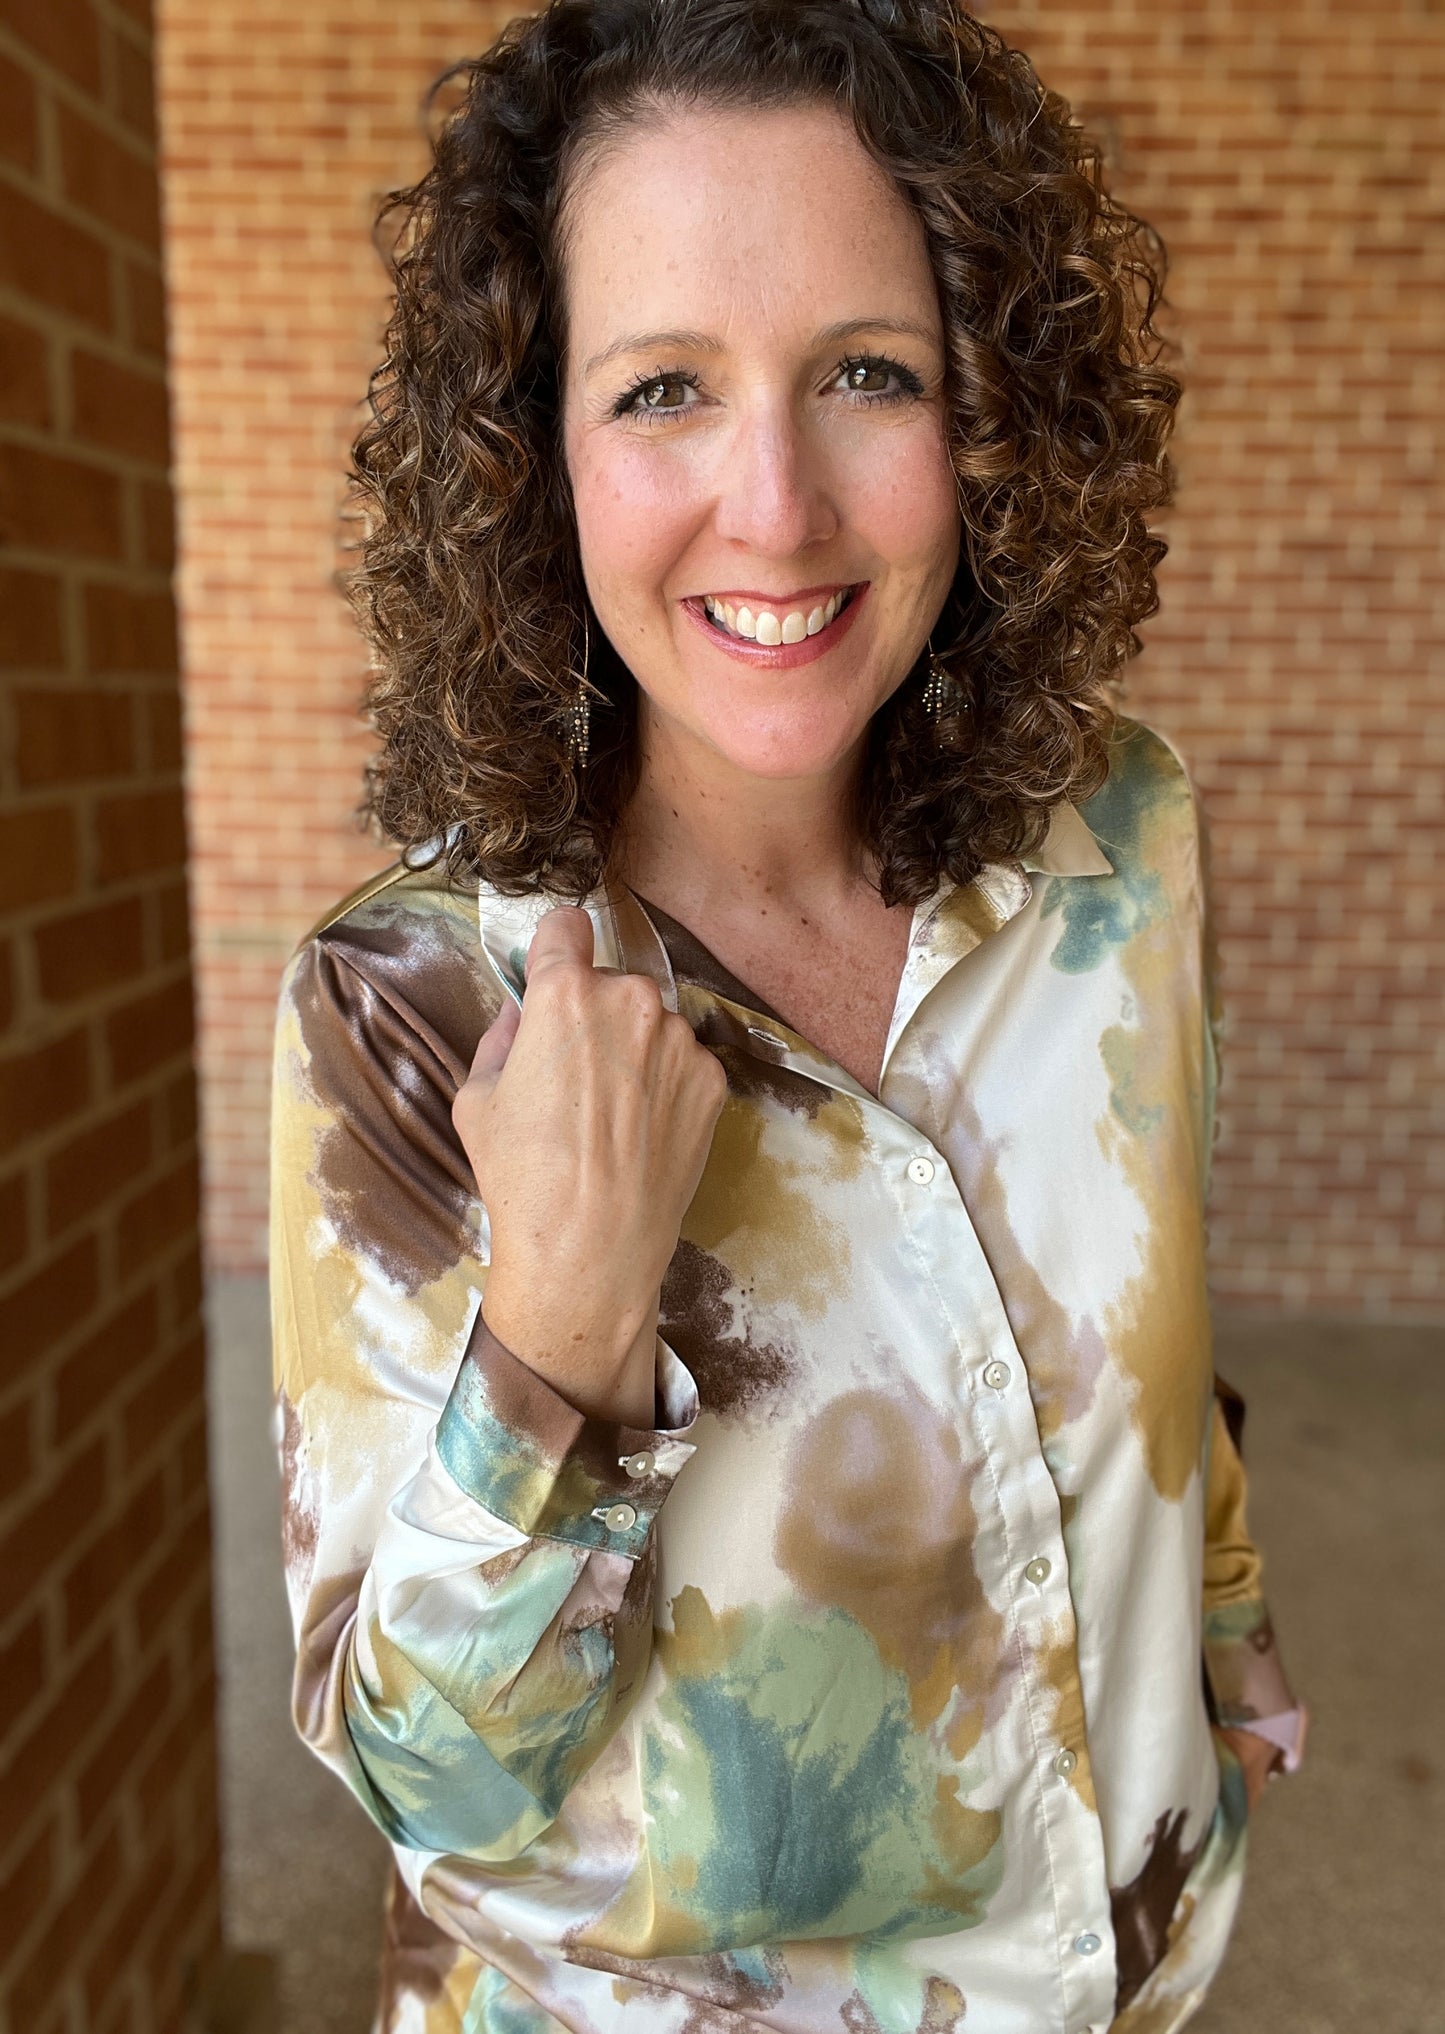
1343	1920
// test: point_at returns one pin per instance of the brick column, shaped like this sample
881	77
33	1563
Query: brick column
108	1853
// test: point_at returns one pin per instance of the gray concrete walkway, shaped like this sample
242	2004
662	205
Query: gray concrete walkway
1344	1917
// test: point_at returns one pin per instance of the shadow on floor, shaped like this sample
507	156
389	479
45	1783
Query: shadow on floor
1344	1910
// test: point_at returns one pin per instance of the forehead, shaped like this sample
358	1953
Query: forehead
704	214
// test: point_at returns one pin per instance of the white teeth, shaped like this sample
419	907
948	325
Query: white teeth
768	628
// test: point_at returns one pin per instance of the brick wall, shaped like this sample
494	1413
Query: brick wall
280	126
1293	156
108	1867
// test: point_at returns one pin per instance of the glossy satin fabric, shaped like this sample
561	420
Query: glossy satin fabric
870	1689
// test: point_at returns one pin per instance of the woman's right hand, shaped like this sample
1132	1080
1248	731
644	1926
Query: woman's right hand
587	1118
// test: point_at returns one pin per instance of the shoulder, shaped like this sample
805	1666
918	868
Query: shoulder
401	954
1146	815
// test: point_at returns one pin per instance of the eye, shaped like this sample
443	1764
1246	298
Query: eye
648	396
866	376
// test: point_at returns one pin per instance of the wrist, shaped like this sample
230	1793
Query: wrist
601	1360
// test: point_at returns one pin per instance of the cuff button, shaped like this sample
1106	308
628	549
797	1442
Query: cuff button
618	1518
641	1464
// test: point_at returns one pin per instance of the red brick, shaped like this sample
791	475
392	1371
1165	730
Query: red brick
112	182
14	1222
146	297
8	996
127	629
107	1770
185	1569
67	734
42	1086
90	950
98	1371
159	1405
163	731
63	32
30	619
24	361
135	88
62	1512
23	1669
179	1122
18	125
52	261
51	503
160	1214
97	1165
116	1948
17	1448
38	855
146	1033
119	409
138	834
158	526
26	1888
90	1895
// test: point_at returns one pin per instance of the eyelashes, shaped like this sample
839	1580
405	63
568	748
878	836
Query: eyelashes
909	388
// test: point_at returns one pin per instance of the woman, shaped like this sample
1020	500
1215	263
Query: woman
756	1502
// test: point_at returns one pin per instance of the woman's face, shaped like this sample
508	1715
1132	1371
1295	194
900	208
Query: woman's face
754	430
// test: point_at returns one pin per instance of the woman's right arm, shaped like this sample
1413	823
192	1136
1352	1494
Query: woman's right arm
469	1549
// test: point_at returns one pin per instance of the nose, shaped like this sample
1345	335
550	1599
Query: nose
774	495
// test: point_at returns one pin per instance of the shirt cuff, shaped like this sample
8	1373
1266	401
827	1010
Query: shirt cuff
1245	1674
528	1456
1286	1732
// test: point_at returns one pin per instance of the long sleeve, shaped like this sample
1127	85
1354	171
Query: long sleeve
1243	1670
1246	1677
469	1559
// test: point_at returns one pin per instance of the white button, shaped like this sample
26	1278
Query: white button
641	1464
1064	1763
996	1376
920	1170
618	1518
1087	1945
1038	1569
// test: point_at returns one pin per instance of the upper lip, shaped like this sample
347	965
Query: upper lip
780	600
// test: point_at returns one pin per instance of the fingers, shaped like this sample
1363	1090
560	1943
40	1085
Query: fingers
563	939
494	1045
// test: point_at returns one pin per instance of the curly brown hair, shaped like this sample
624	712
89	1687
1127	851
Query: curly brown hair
469	586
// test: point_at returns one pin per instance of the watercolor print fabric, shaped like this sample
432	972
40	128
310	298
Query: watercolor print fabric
875	1687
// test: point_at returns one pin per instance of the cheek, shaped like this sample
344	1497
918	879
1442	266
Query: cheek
902	498
634	514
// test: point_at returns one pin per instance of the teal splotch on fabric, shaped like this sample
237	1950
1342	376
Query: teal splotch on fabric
437	1785
1102	913
790	1797
518	1483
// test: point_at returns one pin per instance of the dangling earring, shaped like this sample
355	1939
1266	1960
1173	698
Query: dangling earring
579	712
936	690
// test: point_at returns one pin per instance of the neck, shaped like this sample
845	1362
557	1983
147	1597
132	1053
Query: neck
702	836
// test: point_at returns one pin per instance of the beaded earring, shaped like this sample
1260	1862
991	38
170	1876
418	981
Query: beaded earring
579	709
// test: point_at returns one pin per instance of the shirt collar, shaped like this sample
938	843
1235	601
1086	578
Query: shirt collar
947	926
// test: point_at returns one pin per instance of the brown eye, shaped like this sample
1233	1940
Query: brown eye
868	376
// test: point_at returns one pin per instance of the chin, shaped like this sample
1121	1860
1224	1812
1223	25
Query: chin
782	752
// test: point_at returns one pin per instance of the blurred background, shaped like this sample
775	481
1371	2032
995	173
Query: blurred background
189	308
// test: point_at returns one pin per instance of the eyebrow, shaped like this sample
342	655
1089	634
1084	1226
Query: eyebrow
704	342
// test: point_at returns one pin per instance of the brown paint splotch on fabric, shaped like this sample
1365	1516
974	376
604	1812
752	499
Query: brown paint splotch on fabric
390	1012
1142	1910
705	1318
300	1509
881	1526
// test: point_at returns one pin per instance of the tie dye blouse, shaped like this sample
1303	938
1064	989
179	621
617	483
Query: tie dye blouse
876	1686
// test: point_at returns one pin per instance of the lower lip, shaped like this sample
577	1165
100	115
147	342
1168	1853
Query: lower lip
780	656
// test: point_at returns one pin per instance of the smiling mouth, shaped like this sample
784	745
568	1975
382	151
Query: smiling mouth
769	626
